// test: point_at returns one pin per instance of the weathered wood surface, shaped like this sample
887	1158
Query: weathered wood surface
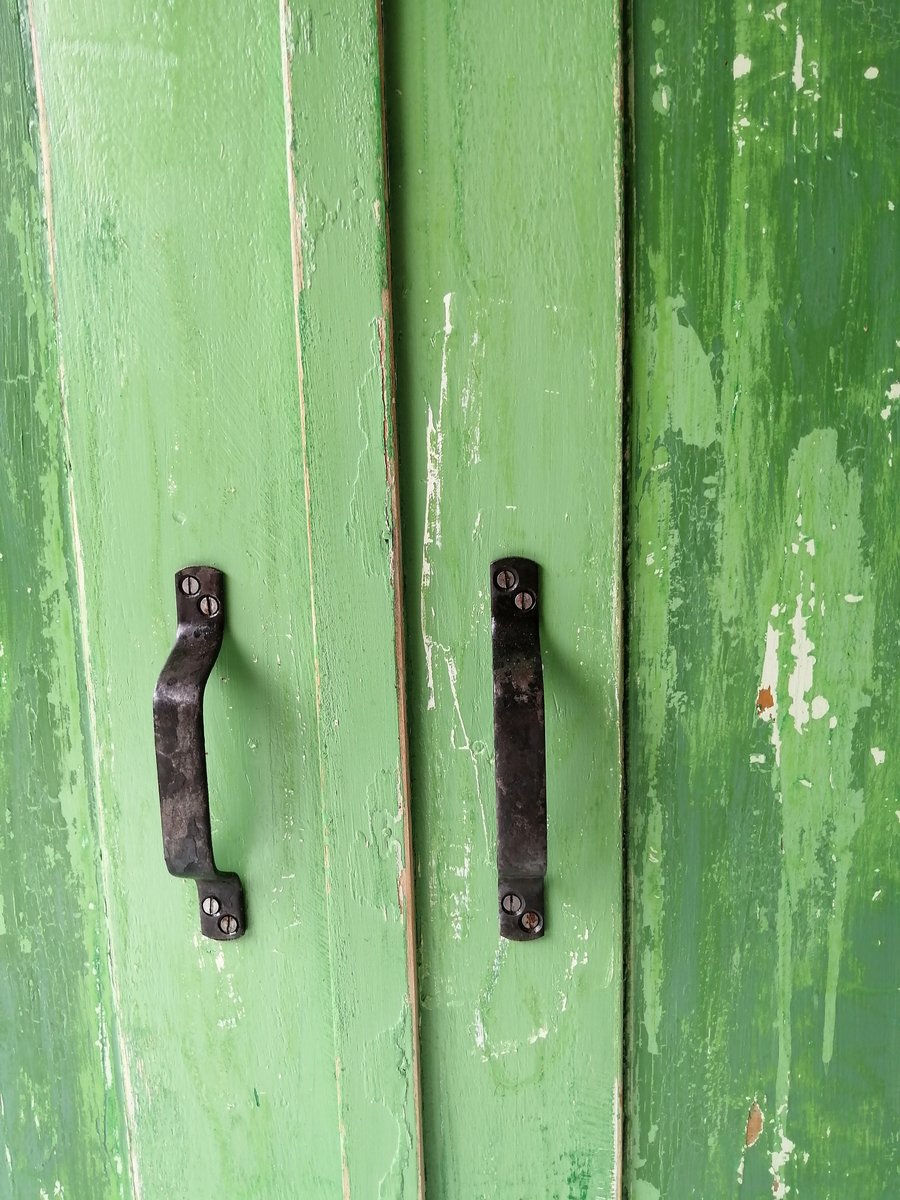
60	1117
764	700
504	158
198	263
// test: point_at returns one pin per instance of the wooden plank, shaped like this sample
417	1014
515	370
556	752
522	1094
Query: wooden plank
503	144
282	1064
60	1121
765	564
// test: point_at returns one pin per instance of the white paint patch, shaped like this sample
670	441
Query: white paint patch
479	1029
757	758
769	679
851	599
797	74
741	67
879	755
870	73
780	1159
800	682
893	392
820	707
434	454
810	545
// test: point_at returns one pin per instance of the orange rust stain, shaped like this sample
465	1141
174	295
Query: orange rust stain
765	700
755	1122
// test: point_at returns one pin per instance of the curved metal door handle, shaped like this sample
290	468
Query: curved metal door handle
519	749
181	752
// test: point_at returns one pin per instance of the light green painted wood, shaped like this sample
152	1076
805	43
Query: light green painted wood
59	1102
504	156
763	684
282	1065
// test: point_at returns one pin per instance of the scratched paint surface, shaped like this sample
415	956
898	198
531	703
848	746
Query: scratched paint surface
217	205
60	1120
503	165
763	695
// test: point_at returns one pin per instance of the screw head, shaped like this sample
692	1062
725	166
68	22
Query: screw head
211	906
511	903
506	579
209	606
228	924
190	585
531	922
524	601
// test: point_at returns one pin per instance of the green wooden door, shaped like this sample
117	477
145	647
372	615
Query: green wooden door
763	575
198	368
669	376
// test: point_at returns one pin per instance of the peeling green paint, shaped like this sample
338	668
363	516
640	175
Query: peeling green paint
764	566
60	1105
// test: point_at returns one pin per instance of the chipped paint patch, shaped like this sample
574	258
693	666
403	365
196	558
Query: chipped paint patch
755	1122
797	73
741	66
801	678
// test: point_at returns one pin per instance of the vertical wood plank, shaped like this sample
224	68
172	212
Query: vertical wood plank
60	1119
282	1064
765	565
504	158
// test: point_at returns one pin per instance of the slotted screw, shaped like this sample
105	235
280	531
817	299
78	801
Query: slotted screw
209	606
532	922
228	924
524	601
511	903
211	906
190	585
506	580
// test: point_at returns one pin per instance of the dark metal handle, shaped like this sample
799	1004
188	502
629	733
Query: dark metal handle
519	749
181	752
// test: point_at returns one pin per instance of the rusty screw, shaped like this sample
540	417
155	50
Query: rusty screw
190	585
209	606
524	601
511	903
228	924
506	580
211	906
532	922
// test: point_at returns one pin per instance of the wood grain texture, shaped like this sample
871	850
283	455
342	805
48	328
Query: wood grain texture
764	559
218	237
60	1107
503	127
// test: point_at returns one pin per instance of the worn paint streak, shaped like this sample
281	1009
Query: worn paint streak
504	155
764	563
60	1097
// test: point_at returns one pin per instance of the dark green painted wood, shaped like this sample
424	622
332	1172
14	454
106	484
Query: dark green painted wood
764	695
60	1117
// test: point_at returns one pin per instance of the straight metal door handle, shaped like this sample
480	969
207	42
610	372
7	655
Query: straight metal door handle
181	752
519	748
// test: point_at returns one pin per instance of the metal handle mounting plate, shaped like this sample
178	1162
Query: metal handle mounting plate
519	748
